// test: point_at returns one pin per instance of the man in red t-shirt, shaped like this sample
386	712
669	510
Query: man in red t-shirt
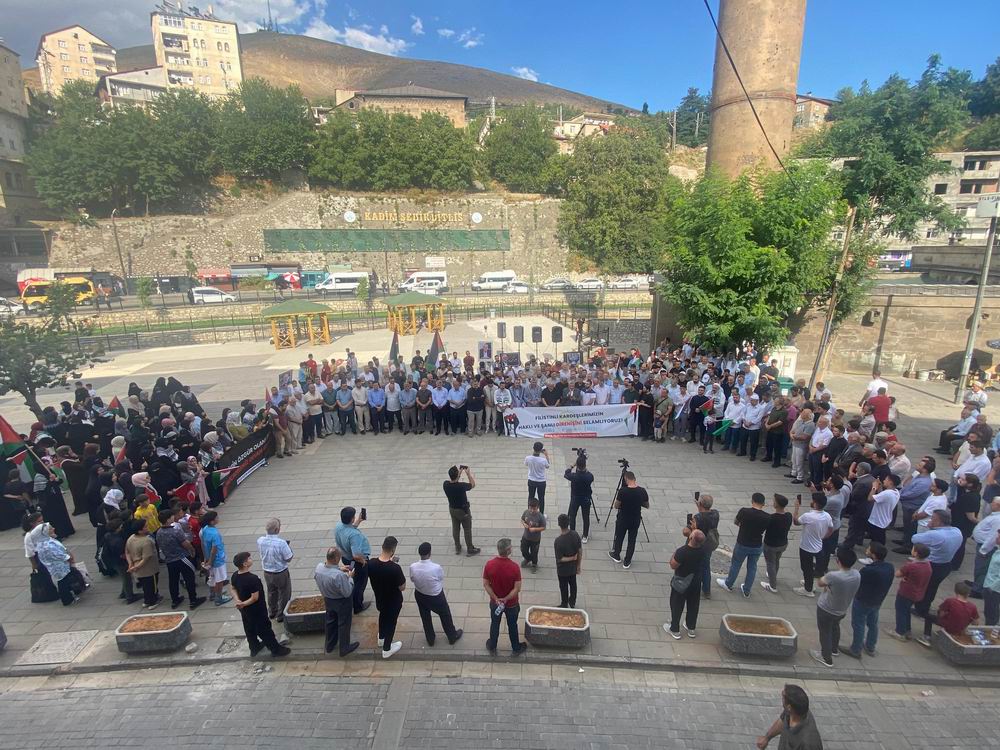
954	614
880	407
502	582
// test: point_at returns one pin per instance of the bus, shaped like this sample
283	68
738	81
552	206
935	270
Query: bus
35	294
342	281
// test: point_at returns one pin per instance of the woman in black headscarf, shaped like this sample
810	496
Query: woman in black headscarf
49	497
134	389
160	394
76	477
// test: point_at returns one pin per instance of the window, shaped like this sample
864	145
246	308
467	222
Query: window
941	188
18	181
62	44
65	68
9	178
966	187
969	164
800	107
931	233
229	66
227	46
81	47
208	80
64	56
219	46
83	59
13	146
983	164
85	71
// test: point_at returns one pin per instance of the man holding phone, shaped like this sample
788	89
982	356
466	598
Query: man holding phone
458	506
355	551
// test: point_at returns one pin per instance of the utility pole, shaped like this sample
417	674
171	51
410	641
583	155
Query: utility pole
697	125
118	245
832	306
986	207
673	129
493	108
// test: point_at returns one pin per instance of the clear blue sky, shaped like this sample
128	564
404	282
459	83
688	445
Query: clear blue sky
628	52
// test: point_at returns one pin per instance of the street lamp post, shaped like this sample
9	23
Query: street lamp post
118	245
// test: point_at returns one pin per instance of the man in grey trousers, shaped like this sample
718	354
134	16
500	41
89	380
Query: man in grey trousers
336	584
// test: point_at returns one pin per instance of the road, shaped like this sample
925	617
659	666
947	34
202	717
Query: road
464	705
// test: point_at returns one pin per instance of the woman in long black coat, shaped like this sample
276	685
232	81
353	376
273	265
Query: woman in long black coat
48	495
76	478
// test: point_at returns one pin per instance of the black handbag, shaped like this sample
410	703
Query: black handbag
681	584
42	588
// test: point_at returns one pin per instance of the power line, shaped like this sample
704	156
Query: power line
739	78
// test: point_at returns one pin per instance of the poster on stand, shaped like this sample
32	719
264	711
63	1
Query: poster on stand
608	420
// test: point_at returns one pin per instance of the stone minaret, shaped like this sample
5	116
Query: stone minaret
765	39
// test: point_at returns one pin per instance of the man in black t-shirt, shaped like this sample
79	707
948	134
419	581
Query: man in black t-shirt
630	502
475	402
388	583
776	541
753	523
249	594
569	555
458	506
685	592
550	396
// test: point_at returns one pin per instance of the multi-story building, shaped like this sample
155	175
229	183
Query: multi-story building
811	111
195	49
70	54
18	200
408	100
567	132
138	87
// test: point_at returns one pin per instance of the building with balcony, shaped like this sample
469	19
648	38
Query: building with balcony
18	200
195	49
138	87
71	54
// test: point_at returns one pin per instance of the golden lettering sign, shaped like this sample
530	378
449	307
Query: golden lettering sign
412	217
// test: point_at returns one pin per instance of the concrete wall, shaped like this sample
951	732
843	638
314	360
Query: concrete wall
157	245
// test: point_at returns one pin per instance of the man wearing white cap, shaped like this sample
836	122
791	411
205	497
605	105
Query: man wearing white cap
753	417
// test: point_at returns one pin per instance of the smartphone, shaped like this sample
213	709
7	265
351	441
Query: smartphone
697	495
690	516
798	499
364	512
462	467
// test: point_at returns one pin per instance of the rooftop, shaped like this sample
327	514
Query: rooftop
411	91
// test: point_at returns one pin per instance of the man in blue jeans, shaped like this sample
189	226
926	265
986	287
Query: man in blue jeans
749	544
876	580
502	583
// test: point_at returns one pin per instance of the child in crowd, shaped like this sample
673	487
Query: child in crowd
954	615
914	577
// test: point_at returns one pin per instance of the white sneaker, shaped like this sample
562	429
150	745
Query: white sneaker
691	634
675	636
396	645
865	561
768	587
722	583
801	591
584	540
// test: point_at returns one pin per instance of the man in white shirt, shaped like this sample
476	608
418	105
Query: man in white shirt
275	554
602	391
899	462
734	413
872	389
977	464
975	397
428	592
884	496
820	439
956	433
937	500
985	537
537	463
816	525
753	418
359	394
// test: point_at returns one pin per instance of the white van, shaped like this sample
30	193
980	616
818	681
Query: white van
419	276
494	281
342	281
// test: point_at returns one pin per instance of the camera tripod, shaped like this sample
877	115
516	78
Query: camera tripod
621	483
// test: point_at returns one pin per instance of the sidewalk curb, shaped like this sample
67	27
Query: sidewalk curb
738	669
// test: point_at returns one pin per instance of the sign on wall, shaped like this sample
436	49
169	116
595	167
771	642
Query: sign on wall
385	240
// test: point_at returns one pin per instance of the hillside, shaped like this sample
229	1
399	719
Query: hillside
318	67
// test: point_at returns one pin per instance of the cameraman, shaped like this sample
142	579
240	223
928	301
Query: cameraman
458	507
580	494
630	501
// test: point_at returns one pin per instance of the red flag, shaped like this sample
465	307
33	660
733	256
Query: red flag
121	455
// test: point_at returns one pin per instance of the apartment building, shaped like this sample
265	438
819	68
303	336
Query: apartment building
195	49
811	111
138	87
71	54
18	200
567	132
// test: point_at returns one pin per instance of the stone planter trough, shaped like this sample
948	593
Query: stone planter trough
152	641
758	644
3	638
557	636
305	622
966	654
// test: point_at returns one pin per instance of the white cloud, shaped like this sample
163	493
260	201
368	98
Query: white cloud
528	74
418	26
446	33
469	38
361	38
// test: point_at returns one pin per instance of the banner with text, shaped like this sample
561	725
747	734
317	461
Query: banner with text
608	420
244	458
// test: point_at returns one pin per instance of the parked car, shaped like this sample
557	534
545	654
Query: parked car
517	287
625	282
427	286
419	276
9	308
590	284
206	295
557	284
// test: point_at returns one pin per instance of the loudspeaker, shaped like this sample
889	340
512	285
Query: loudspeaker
501	330
536	334
556	334
518	334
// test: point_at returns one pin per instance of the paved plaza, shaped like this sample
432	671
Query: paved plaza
468	705
398	479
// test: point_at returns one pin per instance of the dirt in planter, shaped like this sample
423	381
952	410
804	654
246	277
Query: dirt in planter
553	619
151	624
753	626
307	604
966	640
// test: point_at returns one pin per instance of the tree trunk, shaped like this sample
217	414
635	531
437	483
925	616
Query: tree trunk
32	403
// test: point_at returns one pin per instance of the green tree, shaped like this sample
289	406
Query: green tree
517	147
741	257
617	186
985	95
364	293
985	136
144	288
692	118
60	304
264	130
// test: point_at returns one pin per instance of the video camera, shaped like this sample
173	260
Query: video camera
581	453
623	462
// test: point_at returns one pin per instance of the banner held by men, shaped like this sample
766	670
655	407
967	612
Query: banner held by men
608	420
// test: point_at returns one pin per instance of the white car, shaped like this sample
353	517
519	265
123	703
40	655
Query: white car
557	284
9	308
592	283
626	282
517	287
428	286
206	295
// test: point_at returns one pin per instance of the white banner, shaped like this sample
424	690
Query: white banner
609	420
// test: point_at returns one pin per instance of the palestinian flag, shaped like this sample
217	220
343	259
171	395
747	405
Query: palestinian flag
216	478
437	346
121	455
393	349
15	450
116	408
